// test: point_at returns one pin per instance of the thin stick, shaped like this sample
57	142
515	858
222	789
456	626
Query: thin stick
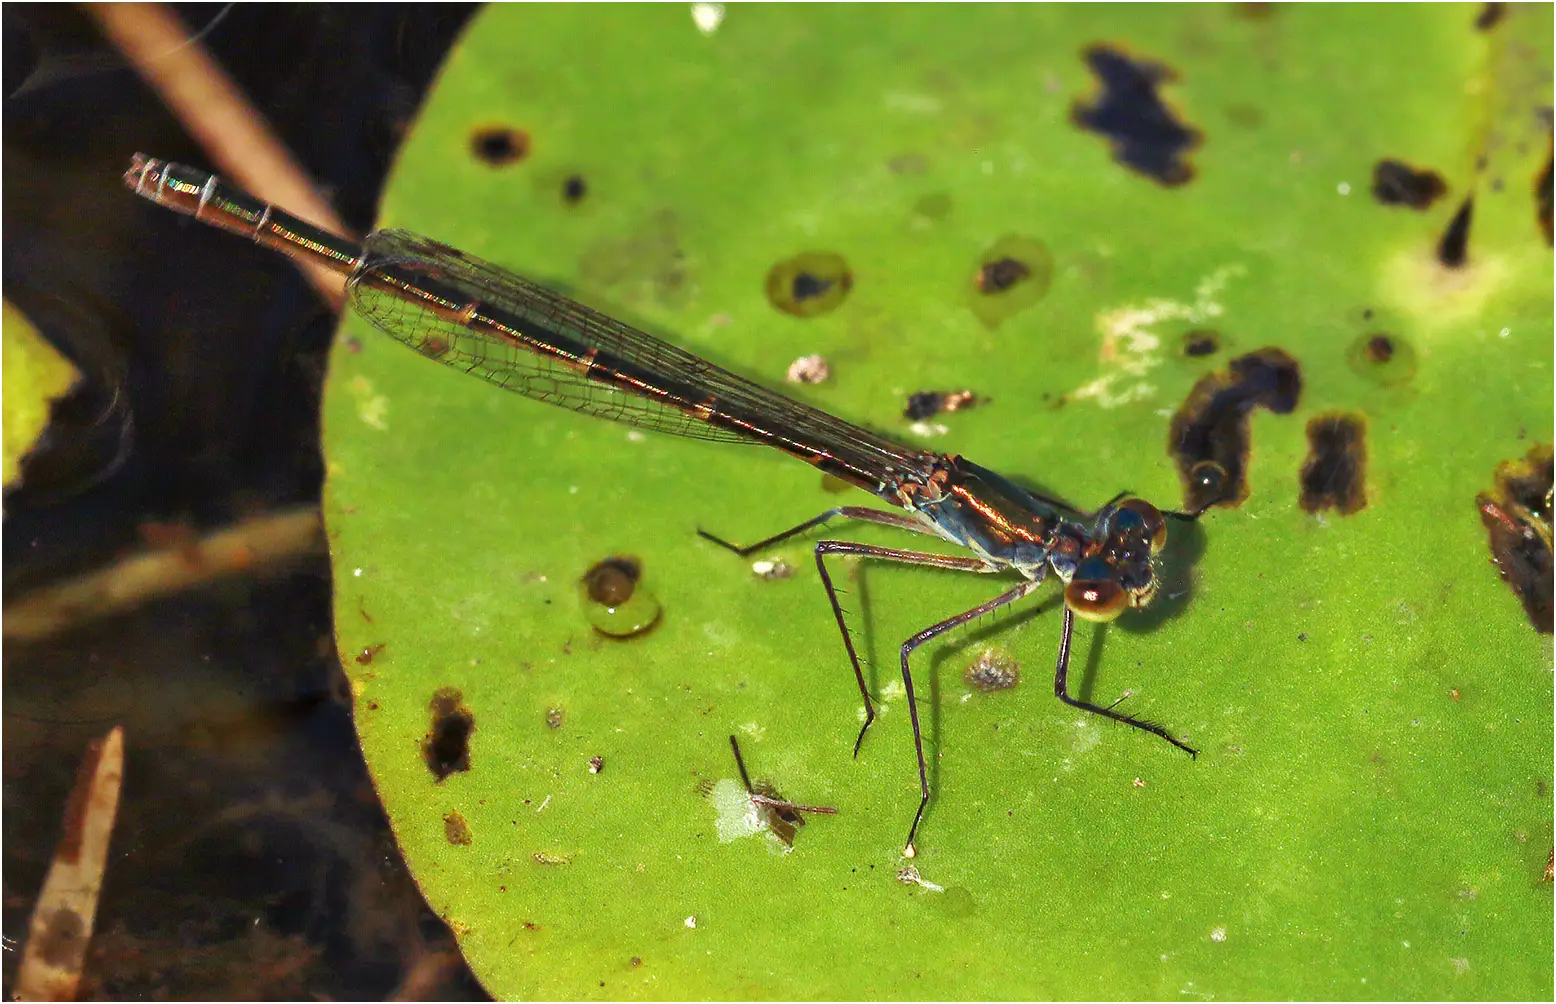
775	803
66	910
122	586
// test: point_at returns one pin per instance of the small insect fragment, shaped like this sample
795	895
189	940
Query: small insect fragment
551	858
555	716
772	569
808	369
909	875
369	653
927	404
596	764
777	815
993	670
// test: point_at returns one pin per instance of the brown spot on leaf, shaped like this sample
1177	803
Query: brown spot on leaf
456	830
446	748
809	284
1209	432
1201	342
1012	274
1395	183
1453	249
498	146
1334	474
1517	516
1128	111
1382	358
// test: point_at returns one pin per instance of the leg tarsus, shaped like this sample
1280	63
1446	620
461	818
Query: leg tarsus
1003	599
1061	692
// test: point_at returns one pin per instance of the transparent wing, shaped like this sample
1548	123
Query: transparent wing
508	331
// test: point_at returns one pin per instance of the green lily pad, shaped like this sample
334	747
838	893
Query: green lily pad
35	376
1370	815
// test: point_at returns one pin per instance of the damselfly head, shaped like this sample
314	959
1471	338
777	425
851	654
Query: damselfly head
1117	571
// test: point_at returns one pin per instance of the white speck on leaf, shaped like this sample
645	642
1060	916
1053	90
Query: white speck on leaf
1130	349
707	17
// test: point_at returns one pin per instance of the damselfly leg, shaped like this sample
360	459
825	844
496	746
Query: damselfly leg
1061	691
825	547
948	561
949	624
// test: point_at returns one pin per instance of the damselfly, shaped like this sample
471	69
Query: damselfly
522	337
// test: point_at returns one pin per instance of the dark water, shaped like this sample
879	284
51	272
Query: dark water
250	858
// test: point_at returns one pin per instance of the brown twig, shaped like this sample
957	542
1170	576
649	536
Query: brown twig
257	543
66	910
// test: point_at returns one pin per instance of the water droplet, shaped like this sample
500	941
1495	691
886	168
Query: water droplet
614	600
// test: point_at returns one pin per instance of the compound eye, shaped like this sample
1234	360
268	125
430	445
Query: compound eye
1097	600
1142	515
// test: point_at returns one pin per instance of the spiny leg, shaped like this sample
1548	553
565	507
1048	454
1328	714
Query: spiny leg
859	512
826	547
1061	691
867	515
1003	599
